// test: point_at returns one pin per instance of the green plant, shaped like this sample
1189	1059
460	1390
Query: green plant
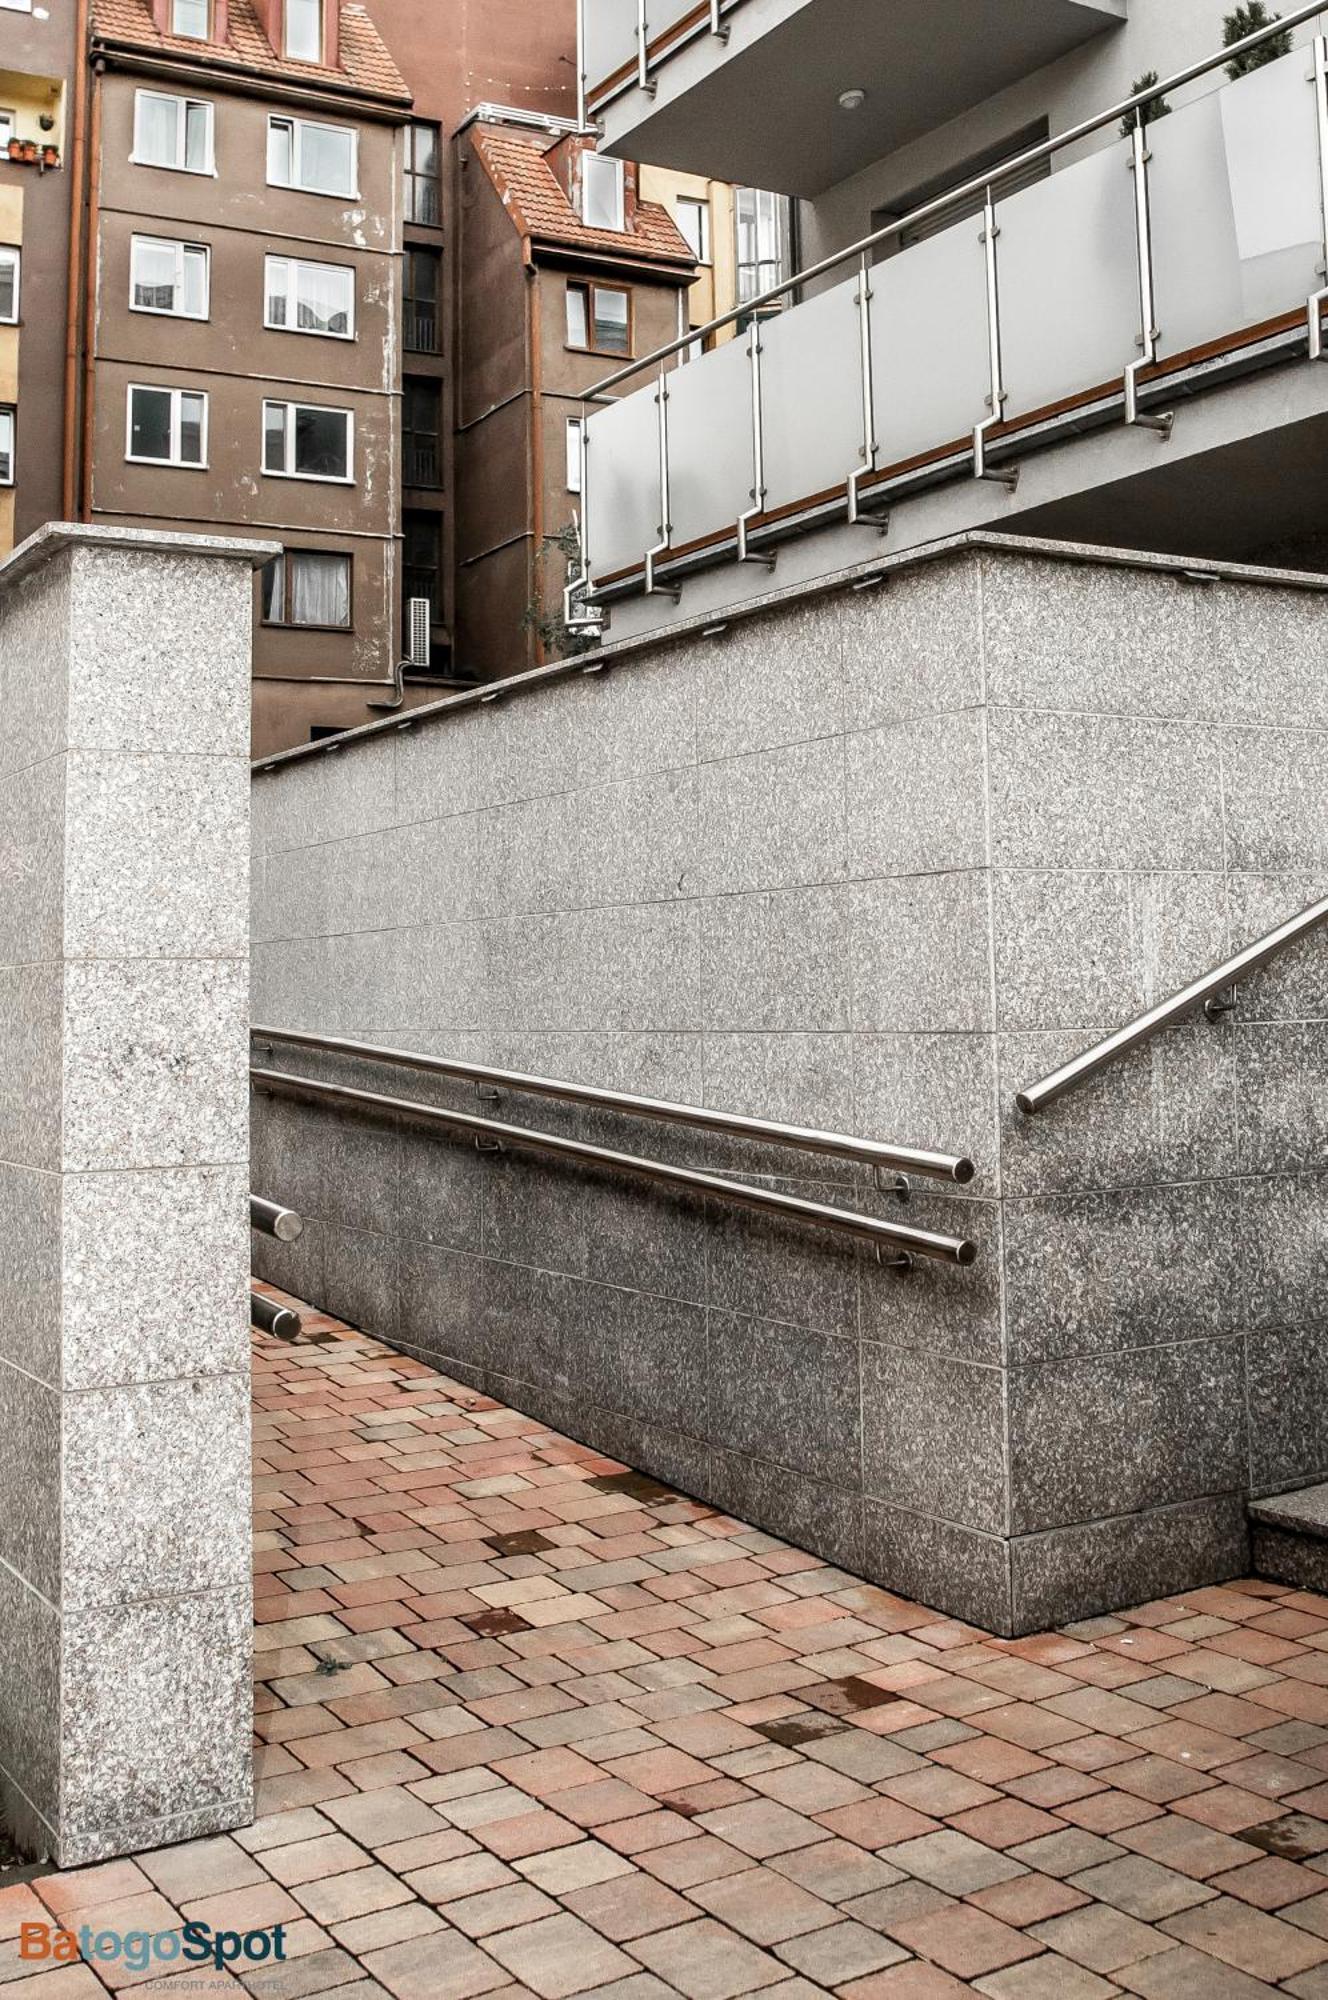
1144	114
559	640
1248	20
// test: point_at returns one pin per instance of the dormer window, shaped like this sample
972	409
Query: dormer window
601	191
304	30
190	19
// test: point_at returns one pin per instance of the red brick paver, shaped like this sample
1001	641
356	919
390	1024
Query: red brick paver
528	1724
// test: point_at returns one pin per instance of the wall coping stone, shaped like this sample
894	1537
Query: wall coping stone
50	540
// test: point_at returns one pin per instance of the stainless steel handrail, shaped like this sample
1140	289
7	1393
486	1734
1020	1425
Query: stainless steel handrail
899	1159
264	1312
993	179
1202	992
907	1243
274	1220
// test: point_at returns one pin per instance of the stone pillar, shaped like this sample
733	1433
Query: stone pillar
125	1591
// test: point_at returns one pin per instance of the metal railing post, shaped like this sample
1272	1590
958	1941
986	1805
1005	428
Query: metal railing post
718	25
1160	421
1317	300
580	65
1004	475
573	617
746	554
877	518
653	586
644	79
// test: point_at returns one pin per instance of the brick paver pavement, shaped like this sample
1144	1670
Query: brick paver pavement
533	1725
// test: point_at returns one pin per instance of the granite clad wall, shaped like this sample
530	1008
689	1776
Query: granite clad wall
125	1596
867	861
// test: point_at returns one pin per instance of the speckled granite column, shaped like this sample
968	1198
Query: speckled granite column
124	1405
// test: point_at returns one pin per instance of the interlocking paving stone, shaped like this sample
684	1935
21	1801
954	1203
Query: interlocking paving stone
534	1724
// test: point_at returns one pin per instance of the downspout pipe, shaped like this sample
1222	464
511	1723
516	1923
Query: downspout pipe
69	496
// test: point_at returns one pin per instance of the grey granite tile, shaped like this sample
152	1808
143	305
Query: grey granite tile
1282	1229
31	1082
916	648
793	1078
360	1279
157	1720
1091	948
1294	985
155	1063
1288	1406
31	1488
296	1267
154	1275
442	1310
937	1092
1275	790
1122	1433
440	769
1281	1100
30	1270
678	1459
660	1361
637	718
917	796
1102	792
1080	1572
438	865
957	1571
1266	649
774	1269
778	960
638	841
772	680
922	953
534	1212
331	798
29	1710
806	1512
1091	1273
942	1308
155	856
1163	1112
788	1396
34	665
772	820
358	1161
32	863
615	969
933	1436
528	855
440	1190
644	1236
1074	636
155	1491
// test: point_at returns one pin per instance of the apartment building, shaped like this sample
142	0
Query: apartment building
1028	301
564	272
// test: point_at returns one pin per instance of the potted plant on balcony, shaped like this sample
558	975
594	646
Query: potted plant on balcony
16	149
28	151
50	155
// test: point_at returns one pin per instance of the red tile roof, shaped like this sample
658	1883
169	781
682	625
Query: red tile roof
365	64
535	199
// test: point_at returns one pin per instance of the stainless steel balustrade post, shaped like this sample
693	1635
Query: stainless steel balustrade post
1004	475
718	25
877	518
746	554
580	65
653	587
573	617
1317	300
1146	339
274	1220
646	81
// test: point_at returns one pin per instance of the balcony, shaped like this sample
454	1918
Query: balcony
748	90
1158	266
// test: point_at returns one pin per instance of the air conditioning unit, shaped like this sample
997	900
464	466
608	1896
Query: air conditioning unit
419	645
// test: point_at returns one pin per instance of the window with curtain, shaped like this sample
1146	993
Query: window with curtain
304	30
320	159
764	237
9	276
601	191
6	447
190	18
173	132
168	277
307	587
303	297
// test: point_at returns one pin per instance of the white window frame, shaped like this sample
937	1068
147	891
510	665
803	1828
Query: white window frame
297	128
11	255
180	247
8	126
179	164
701	205
176	395
294	265
346	478
18	6
187	34
601	166
8	424
573	435
290	54
286	559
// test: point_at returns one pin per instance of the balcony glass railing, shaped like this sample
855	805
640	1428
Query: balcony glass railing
621	39
1199	233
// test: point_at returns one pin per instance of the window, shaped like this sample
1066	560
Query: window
420	560
424	198
693	218
168	277
308	441
6	447
420	282
421	423
764	253
172	132
190	18
8	127
574	454
599	319
167	426
307	587
9	269
601	191
304	30
318	158
310	298
979	163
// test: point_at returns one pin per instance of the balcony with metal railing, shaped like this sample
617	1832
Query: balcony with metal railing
1183	251
750	90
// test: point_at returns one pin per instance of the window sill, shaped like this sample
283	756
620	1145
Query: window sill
313	478
288	625
169	167
310	332
169	464
600	353
324	194
162	312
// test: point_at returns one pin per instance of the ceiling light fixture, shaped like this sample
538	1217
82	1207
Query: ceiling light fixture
852	100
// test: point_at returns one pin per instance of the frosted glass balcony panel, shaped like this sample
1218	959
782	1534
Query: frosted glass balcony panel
811	395
1069	282
930	362
710	442
622	503
610	37
1235	197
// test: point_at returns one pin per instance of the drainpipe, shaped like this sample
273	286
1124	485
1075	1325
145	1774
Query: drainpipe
536	544
90	291
78	148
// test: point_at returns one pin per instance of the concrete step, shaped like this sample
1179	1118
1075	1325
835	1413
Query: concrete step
1289	1537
